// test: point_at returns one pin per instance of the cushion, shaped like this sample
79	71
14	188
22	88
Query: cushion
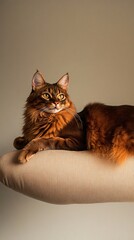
65	177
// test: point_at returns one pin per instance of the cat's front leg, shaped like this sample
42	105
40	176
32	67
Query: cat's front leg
40	144
30	149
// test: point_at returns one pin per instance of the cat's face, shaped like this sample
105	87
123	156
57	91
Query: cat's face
49	98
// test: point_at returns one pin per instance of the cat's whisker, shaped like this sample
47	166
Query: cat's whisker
48	111
105	130
43	109
76	117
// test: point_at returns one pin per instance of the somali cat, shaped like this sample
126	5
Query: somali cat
51	122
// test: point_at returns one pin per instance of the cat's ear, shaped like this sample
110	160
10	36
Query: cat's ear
38	81
64	81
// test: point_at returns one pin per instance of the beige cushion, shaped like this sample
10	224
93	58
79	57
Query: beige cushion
64	177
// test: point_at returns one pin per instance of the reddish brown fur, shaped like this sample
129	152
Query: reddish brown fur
43	130
105	130
110	130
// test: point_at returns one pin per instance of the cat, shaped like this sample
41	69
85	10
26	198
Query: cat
52	122
50	119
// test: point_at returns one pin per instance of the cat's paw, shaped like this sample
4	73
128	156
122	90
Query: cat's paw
25	156
27	152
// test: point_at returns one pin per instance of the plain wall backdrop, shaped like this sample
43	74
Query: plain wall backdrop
93	40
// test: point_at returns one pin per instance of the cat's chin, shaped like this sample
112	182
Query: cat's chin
53	110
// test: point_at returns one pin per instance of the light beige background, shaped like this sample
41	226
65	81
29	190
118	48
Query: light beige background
93	40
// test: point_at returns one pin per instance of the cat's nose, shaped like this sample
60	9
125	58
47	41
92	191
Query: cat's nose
56	105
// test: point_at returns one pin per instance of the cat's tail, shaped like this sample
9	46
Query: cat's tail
19	143
123	145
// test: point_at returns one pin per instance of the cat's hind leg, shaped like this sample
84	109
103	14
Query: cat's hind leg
122	145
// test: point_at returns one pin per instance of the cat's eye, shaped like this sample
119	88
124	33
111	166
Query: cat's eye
46	95
61	97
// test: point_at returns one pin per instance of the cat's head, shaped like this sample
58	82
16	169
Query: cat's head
49	98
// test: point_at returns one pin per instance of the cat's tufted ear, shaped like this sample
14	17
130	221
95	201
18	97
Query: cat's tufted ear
64	81
37	81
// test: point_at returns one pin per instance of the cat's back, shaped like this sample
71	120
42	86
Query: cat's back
103	109
108	115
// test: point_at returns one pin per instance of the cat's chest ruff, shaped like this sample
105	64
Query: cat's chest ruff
51	125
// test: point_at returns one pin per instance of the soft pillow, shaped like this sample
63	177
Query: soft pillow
64	177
